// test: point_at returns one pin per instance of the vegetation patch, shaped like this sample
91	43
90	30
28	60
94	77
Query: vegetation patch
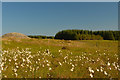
87	35
45	58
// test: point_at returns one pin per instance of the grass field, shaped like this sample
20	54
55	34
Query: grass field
49	58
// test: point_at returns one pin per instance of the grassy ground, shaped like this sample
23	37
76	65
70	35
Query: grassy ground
47	58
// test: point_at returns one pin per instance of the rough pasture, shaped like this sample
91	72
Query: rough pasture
46	58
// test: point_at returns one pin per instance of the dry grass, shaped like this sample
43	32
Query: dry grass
75	56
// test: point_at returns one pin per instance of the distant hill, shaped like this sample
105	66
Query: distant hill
14	35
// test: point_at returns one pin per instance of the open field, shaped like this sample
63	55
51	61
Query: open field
49	58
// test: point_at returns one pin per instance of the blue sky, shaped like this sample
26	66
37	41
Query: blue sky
0	18
47	18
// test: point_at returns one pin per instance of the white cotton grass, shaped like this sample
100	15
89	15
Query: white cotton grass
48	64
60	63
26	61
90	70
17	67
105	73
16	74
91	75
72	69
97	70
50	69
108	63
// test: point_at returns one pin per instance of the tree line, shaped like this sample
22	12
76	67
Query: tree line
41	37
87	35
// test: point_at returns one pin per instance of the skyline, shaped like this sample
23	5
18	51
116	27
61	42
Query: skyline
51	17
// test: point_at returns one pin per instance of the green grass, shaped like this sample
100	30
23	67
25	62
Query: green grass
85	54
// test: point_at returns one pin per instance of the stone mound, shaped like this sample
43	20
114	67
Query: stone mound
14	35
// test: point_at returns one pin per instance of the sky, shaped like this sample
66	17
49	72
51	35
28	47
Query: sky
0	18
60	0
48	18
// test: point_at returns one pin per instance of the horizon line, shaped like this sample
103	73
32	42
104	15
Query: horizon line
59	31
